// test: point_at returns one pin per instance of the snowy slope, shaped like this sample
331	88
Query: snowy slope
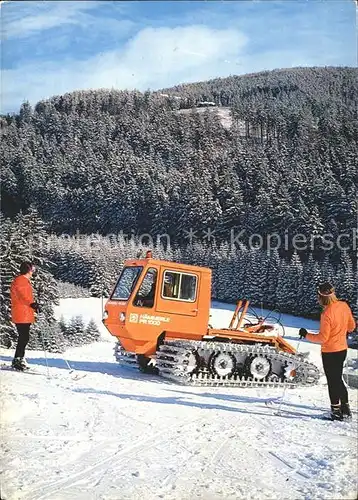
118	434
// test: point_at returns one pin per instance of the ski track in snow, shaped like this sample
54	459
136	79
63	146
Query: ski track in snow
118	434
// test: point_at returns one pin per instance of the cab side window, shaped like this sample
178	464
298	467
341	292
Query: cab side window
146	293
179	286
188	287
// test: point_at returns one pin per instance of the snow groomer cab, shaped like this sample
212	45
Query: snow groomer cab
157	299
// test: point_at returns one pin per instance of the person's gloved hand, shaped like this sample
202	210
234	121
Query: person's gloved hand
35	306
302	333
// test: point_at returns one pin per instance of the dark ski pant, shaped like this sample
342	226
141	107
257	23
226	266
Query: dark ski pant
23	329
333	369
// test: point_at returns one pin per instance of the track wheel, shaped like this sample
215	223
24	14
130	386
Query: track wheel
222	364
190	361
259	367
145	365
290	371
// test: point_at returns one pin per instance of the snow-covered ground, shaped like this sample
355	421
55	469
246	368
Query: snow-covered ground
118	434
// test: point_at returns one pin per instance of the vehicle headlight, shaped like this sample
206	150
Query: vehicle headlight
122	317
105	315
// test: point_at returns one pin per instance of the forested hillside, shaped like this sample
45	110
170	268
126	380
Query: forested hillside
108	161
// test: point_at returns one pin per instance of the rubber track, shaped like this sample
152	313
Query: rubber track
123	357
170	361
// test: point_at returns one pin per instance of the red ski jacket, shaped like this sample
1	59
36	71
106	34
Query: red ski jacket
336	322
21	297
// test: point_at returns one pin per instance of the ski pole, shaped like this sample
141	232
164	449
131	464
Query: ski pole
47	365
43	346
71	370
285	388
41	334
68	364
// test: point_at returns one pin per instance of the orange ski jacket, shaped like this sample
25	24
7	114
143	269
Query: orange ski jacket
336	321
21	297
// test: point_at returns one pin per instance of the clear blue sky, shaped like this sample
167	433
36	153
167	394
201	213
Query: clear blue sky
54	47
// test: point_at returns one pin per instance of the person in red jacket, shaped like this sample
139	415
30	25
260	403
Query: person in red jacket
336	321
23	309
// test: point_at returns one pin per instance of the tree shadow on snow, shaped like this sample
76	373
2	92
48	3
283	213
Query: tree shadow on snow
106	368
181	401
132	373
248	399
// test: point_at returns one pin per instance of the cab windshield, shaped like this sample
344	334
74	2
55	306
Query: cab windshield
126	283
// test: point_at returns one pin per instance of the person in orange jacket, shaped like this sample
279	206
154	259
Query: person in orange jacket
23	308
336	321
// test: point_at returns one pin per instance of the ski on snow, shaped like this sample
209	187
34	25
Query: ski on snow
277	411
10	368
32	371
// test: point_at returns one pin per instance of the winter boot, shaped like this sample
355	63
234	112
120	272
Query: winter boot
25	364
18	364
346	411
336	412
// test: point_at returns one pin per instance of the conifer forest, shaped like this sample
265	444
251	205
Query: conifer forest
212	173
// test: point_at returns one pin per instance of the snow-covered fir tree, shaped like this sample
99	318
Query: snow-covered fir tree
75	331
310	281
92	332
106	161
